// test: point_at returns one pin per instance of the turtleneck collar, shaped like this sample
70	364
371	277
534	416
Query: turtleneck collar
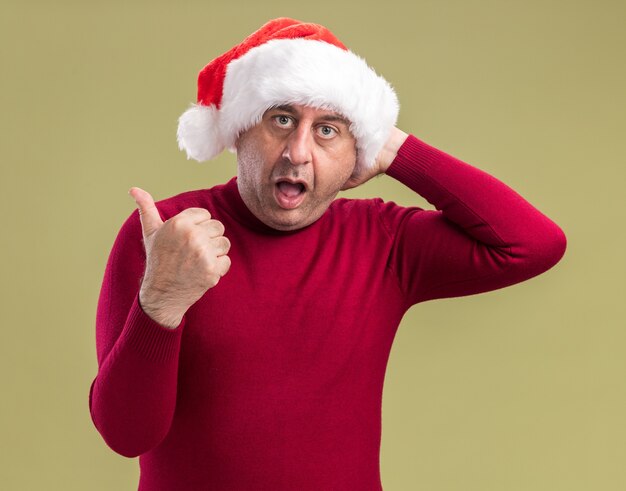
242	214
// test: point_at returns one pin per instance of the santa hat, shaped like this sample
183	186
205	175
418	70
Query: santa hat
287	61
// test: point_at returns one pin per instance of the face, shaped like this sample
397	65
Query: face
292	164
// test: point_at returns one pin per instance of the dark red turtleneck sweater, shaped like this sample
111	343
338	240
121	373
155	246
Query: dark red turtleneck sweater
273	380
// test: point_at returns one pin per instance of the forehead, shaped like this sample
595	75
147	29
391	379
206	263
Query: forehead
316	113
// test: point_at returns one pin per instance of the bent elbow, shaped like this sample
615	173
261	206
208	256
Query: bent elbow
125	431
546	251
128	441
124	449
553	247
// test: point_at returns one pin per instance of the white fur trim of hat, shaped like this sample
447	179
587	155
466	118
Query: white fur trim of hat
315	69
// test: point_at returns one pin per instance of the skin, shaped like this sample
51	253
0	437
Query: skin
301	143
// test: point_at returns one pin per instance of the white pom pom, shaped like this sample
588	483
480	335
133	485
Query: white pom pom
198	132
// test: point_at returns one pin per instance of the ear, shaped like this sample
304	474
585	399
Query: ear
354	179
355	172
356	169
235	146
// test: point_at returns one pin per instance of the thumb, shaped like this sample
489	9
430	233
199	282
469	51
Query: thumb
148	212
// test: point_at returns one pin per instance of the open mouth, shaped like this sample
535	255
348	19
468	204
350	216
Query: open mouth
289	194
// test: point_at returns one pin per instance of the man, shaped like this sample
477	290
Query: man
243	331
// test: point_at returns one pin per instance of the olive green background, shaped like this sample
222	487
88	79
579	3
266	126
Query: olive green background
517	389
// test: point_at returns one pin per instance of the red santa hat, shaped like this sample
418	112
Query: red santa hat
287	61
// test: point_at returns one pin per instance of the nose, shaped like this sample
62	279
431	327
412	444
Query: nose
299	145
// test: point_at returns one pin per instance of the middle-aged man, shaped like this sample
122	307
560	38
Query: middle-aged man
243	331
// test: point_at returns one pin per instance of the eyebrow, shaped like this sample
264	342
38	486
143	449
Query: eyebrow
327	117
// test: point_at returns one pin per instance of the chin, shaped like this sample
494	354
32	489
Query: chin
286	226
290	223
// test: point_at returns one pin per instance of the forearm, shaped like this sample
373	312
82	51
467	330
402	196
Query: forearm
482	236
133	396
484	207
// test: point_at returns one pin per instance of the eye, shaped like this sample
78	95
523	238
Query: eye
327	131
282	120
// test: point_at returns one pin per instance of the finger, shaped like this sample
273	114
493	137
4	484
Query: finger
220	245
223	265
213	228
197	215
148	212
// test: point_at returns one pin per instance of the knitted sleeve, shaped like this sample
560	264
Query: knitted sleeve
482	236
133	395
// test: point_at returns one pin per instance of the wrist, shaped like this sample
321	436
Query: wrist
159	311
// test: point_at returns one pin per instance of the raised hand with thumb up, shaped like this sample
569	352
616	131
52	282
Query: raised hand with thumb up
185	256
